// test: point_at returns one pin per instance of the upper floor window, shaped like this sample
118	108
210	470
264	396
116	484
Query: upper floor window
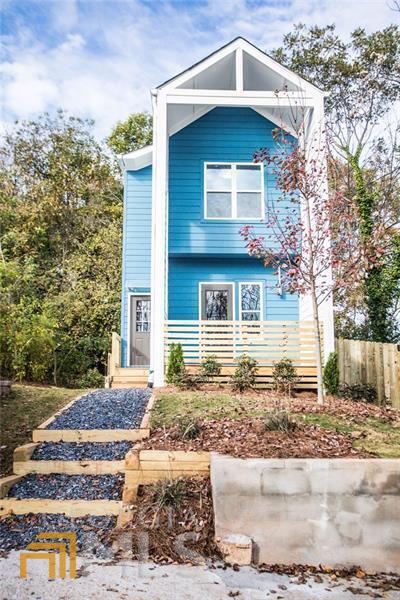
234	191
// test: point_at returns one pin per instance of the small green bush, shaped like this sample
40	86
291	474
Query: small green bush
244	377
169	492
188	428
176	364
210	367
91	379
280	420
363	392
188	381
285	376
331	374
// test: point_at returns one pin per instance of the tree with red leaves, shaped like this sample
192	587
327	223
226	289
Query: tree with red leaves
301	224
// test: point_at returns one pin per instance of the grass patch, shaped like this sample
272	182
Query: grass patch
205	405
23	410
379	437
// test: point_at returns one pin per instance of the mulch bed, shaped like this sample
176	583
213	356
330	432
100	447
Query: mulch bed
59	486
356	412
247	438
17	531
105	409
173	534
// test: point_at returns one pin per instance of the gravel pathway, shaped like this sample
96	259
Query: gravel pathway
19	530
82	451
105	409
68	487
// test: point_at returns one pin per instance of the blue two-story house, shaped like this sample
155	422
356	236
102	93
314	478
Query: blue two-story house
187	276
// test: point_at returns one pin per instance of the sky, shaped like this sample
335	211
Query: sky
99	58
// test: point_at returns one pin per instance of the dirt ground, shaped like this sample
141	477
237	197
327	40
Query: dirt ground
130	580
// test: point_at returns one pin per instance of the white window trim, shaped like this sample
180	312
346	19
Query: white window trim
234	192
231	283
261	286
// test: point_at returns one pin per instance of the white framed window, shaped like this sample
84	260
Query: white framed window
251	301
233	191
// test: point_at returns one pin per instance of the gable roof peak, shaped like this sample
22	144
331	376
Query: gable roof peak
251	48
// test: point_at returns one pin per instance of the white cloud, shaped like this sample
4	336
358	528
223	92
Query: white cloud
99	59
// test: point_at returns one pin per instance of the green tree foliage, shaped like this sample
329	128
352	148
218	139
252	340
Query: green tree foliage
132	134
331	374
60	260
176	364
362	78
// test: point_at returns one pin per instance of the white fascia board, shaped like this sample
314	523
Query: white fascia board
201	66
281	69
217	98
138	159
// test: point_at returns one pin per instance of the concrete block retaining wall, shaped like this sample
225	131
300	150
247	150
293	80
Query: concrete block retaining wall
311	511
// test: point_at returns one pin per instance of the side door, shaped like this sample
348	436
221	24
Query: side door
140	307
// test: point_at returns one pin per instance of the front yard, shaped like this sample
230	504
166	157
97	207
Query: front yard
23	410
236	424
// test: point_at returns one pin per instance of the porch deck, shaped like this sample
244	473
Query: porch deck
265	341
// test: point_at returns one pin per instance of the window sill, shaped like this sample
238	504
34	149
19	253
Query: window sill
236	221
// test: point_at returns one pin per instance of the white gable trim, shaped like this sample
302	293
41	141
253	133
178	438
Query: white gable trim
239	46
139	159
271	116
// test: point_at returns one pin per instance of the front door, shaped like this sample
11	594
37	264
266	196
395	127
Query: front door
140	330
216	302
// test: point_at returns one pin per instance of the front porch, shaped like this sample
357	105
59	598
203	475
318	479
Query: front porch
265	341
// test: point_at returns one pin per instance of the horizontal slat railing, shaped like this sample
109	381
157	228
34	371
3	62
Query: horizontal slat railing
266	341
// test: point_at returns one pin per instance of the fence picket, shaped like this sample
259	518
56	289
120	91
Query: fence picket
373	363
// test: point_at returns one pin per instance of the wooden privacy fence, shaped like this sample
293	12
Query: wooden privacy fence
265	341
371	363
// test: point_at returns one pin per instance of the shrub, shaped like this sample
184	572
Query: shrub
91	379
188	428
210	367
331	374
188	381
285	376
358	391
245	373
169	492
280	420
176	365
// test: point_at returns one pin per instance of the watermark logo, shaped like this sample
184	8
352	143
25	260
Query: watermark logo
49	551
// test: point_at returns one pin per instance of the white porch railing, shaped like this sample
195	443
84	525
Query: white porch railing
265	341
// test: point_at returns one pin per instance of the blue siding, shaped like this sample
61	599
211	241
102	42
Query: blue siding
136	257
223	134
186	273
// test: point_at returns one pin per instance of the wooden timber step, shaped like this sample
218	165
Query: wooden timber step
70	508
143	467
24	465
43	434
125	377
